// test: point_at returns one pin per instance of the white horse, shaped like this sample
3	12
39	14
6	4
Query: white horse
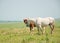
41	23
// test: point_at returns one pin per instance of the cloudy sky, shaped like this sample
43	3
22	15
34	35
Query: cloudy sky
19	9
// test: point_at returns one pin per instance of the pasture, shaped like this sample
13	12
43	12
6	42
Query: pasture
17	32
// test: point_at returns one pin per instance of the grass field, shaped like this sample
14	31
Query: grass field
17	32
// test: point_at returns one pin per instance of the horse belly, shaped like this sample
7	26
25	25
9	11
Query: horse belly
45	22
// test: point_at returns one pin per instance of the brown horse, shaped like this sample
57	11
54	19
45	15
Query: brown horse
31	24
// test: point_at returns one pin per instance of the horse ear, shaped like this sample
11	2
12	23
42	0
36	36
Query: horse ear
23	20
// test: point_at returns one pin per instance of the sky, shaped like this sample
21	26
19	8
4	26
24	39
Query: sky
17	10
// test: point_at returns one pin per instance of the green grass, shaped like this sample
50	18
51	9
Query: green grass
12	25
17	32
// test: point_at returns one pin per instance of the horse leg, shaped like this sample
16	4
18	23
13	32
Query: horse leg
40	27
43	30
52	28
31	27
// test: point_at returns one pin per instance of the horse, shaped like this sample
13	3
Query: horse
41	23
30	22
